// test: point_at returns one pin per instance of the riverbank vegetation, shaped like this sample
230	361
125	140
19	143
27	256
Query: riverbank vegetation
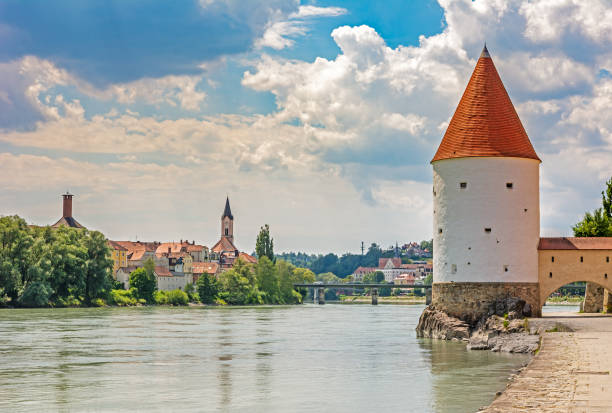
41	266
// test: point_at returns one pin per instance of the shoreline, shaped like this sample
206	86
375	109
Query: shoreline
571	370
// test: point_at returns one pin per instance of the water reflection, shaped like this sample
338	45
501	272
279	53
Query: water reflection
274	359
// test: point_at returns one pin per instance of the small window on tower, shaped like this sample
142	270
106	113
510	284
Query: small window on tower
581	259
226	231
607	259
550	275
463	185
505	268
488	230
439	230
552	259
509	185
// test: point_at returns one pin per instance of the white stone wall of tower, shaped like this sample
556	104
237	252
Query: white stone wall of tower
464	251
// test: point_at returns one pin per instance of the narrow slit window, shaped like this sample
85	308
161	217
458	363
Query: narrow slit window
552	259
581	259
607	259
463	185
509	185
550	275
488	230
439	230
606	275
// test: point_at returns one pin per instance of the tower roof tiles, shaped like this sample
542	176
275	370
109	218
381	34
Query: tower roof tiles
485	123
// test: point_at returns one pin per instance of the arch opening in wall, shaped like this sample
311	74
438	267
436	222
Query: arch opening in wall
585	295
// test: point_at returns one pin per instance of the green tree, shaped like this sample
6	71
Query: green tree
98	277
264	246
606	198
238	285
428	279
145	284
207	288
267	281
596	224
15	243
302	276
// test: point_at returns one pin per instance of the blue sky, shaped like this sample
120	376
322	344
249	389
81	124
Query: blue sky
318	118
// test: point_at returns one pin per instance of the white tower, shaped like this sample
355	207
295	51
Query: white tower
486	197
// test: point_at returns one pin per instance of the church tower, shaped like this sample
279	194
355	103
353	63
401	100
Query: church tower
227	222
486	202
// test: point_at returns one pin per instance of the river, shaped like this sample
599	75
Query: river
331	358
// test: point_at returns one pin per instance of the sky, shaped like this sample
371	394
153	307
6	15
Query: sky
318	118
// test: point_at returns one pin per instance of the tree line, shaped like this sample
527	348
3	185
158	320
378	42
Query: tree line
41	266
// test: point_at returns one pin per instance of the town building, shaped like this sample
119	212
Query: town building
67	219
224	251
486	211
200	268
118	255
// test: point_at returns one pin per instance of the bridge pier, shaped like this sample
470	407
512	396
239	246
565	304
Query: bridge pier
374	296
321	294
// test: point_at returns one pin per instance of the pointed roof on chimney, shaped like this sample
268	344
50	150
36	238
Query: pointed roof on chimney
227	212
485	122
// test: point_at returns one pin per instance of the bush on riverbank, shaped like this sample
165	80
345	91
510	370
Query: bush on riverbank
174	297
41	266
125	298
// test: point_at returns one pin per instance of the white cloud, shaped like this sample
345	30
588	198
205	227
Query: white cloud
281	29
316	11
550	20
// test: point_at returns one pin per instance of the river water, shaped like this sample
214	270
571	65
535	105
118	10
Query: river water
331	358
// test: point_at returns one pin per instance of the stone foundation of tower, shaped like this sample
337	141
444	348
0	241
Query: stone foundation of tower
470	301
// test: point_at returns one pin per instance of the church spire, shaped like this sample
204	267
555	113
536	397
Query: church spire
227	212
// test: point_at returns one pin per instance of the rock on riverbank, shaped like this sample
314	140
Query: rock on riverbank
503	329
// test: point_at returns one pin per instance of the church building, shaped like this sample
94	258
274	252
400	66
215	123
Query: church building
225	249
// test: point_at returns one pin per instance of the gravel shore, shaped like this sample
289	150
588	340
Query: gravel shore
570	373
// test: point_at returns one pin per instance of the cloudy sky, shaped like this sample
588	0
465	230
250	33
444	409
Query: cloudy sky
316	117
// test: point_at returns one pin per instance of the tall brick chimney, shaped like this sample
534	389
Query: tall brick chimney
67	205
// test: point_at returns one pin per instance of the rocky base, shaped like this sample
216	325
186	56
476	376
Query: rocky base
507	332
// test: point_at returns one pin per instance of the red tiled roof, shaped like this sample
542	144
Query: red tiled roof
224	244
576	243
205	267
247	258
192	248
163	248
116	246
485	122
397	262
162	272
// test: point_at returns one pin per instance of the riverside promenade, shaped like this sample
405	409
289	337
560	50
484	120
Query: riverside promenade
572	372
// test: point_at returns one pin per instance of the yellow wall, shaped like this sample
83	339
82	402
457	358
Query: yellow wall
568	268
119	260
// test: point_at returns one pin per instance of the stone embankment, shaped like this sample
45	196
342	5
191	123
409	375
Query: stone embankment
570	373
503	328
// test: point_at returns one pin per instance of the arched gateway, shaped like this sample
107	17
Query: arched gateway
487	241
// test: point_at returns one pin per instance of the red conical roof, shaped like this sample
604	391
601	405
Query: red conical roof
485	122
